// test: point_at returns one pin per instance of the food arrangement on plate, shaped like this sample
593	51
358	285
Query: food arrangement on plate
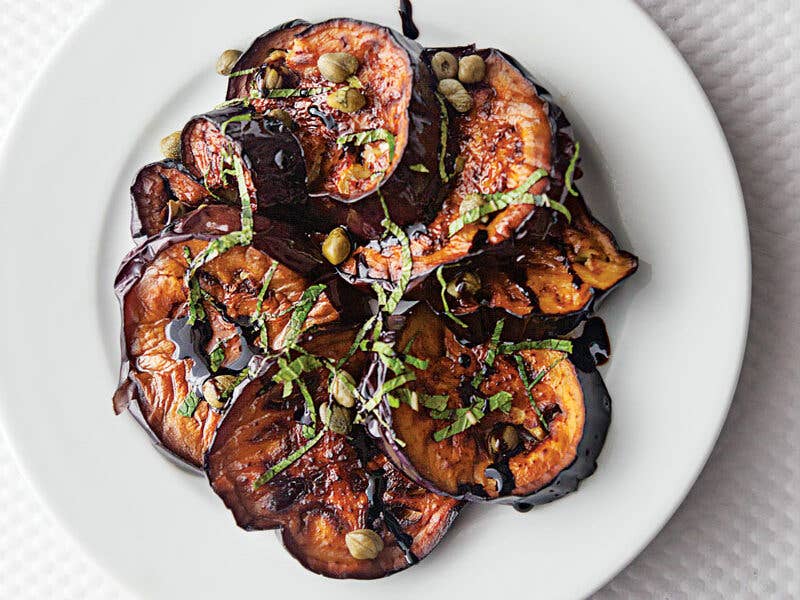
363	294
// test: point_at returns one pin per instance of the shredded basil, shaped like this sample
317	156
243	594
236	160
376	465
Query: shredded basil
500	401
300	312
388	386
362	333
407	265
354	82
196	310
464	419
571	170
552	344
217	356
523	375
288	461
232	102
491	352
189	405
259	318
297	92
419	168
311	410
242	118
443	127
289	372
244	72
225	242
445	305
369	136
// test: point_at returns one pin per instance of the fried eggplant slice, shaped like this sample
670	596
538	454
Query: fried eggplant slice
271	157
338	485
512	132
526	431
168	359
390	144
542	287
161	193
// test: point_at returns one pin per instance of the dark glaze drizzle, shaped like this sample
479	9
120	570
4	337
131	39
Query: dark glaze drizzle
376	488
410	30
327	120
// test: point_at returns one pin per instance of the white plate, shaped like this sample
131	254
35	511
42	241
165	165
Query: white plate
658	171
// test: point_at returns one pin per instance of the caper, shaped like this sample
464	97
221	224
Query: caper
276	55
340	420
214	388
227	60
502	440
444	65
346	99
456	94
470	202
471	69
341	388
272	79
363	544
466	284
325	413
171	145
282	116
336	247
337	66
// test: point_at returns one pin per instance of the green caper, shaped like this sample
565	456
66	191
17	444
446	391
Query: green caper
340	420
456	94
444	65
272	79
363	544
337	66
227	60
213	389
502	439
282	116
325	413
466	284
336	247
471	69
470	202
346	99
171	145
341	389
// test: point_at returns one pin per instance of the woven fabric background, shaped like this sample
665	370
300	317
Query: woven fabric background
738	533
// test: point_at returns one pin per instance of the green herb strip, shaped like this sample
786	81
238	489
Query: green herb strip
407	266
297	92
388	386
362	333
242	118
491	353
259	318
500	401
196	310
189	405
225	242
354	82
445	305
443	127
552	344
464	419
288	461
217	356
300	313
289	372
244	72
419	168
501	201
369	136
523	375
571	170
308	429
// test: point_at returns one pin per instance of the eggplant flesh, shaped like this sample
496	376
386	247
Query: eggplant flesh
344	178
161	193
165	360
512	130
541	464
541	287
339	485
271	156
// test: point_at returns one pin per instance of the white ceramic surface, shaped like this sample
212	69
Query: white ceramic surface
658	172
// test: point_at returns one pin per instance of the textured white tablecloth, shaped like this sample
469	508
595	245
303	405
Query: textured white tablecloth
738	533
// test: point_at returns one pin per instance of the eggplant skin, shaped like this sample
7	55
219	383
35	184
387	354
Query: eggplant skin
161	193
512	130
152	294
399	89
326	493
543	466
540	287
272	158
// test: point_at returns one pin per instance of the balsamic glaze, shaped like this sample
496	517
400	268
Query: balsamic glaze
410	30
327	120
591	347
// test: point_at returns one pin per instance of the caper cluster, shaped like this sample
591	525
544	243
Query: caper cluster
453	73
